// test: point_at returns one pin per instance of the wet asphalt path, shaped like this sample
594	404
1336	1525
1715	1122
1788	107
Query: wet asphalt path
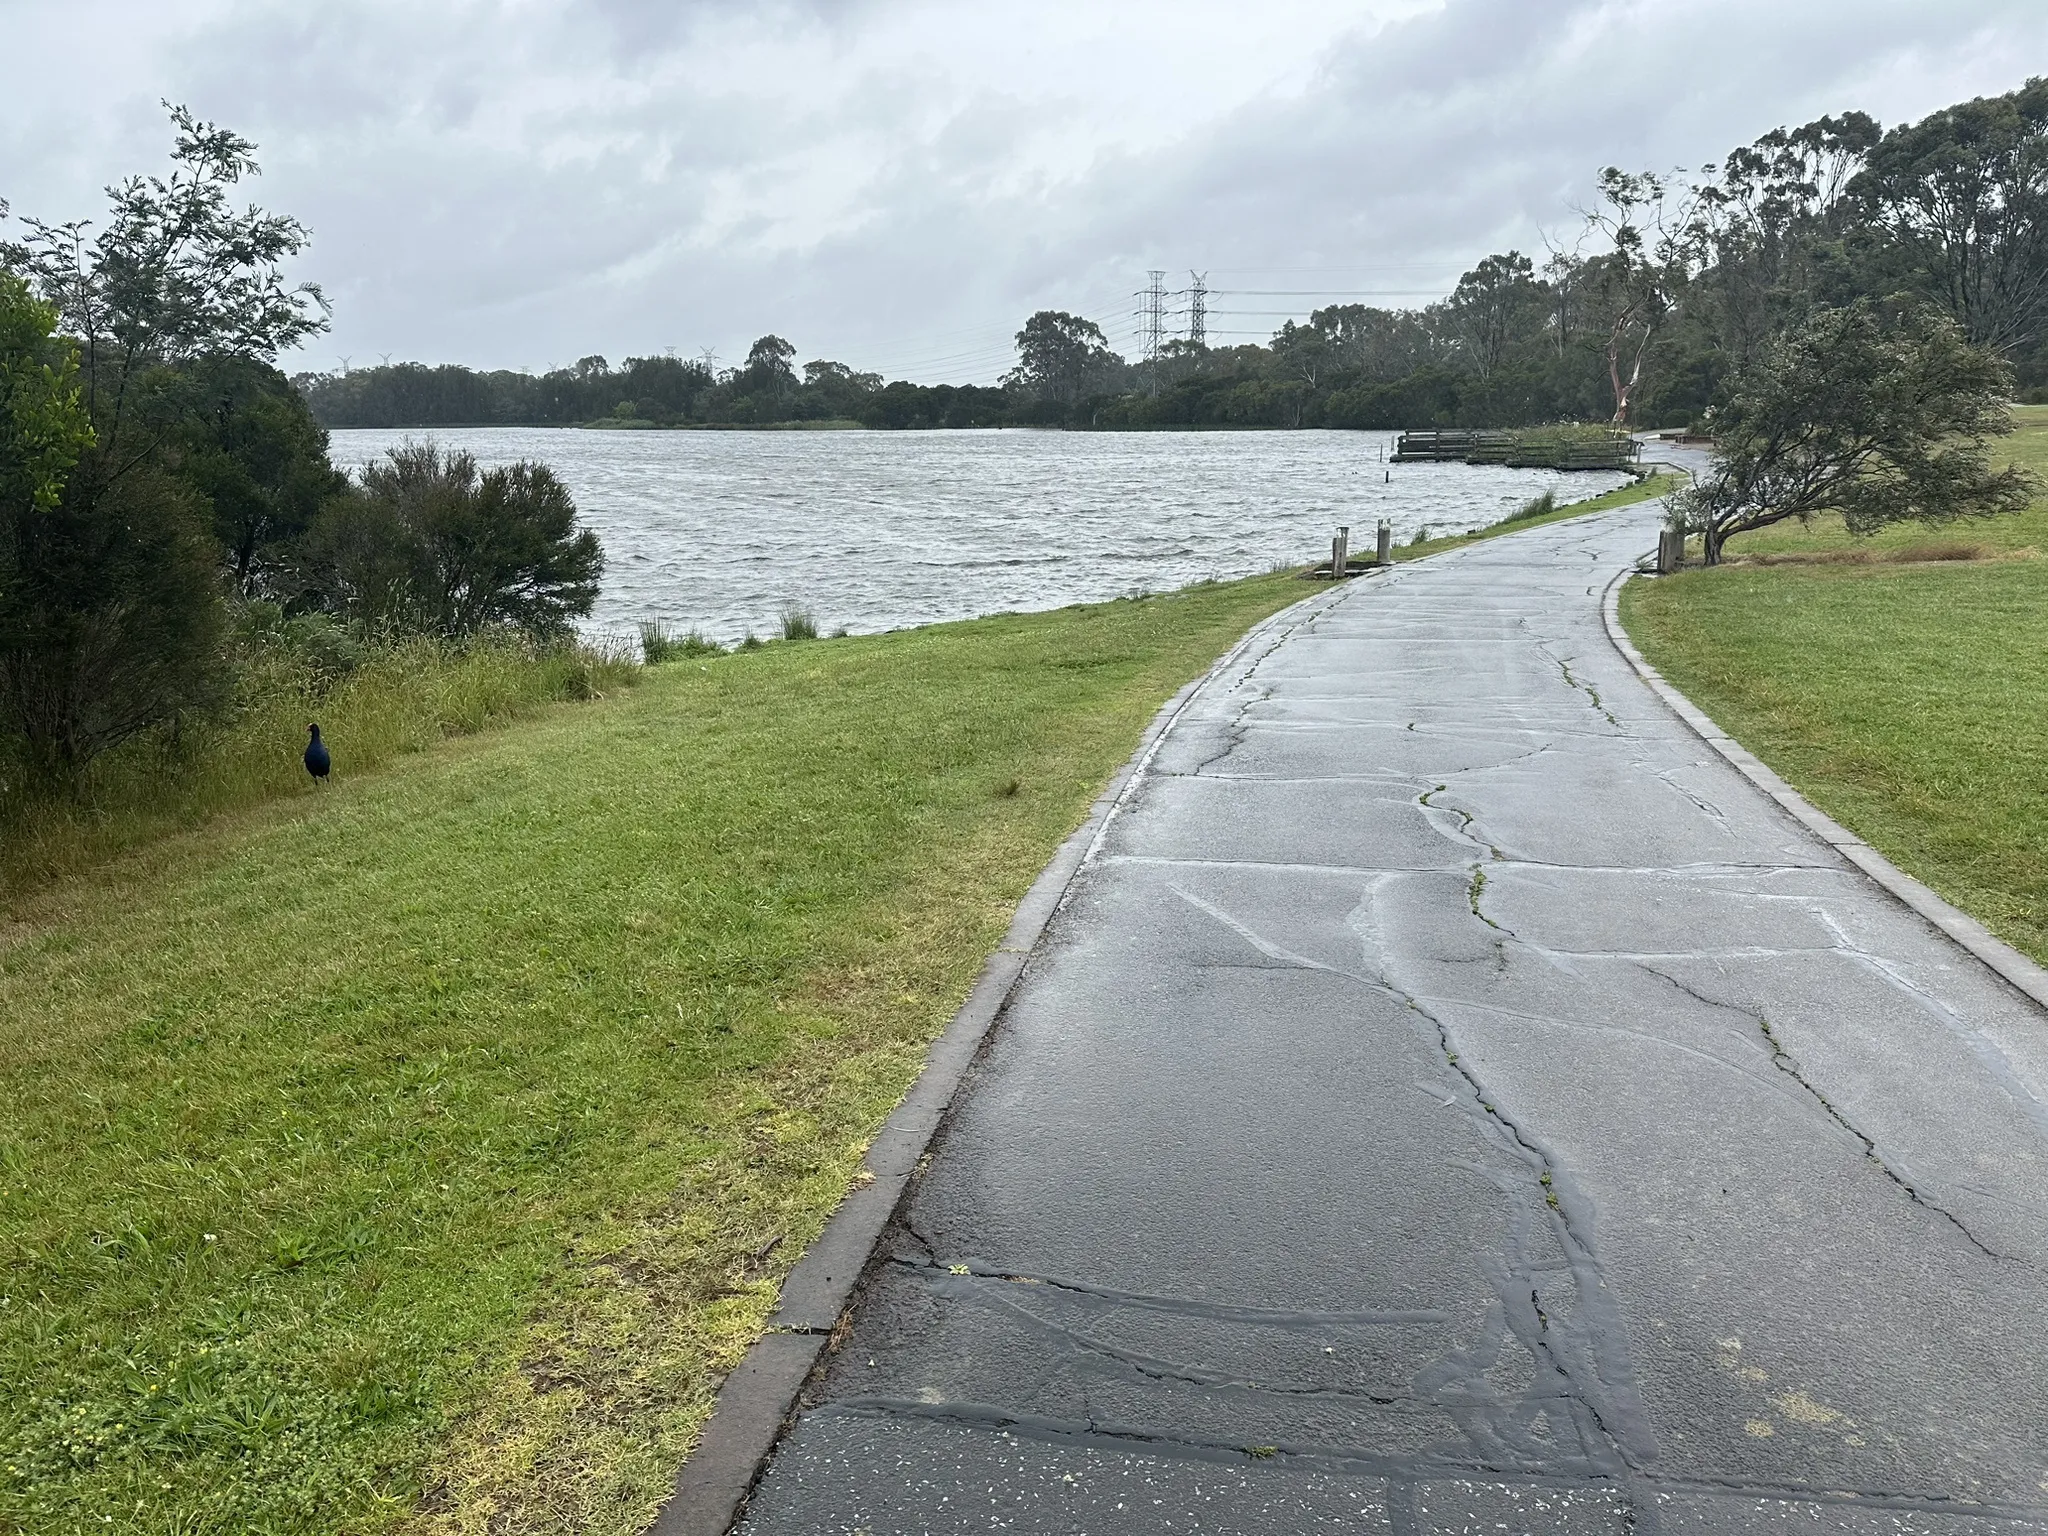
1453	1100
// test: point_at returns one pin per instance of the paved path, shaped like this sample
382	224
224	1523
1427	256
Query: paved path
1454	1100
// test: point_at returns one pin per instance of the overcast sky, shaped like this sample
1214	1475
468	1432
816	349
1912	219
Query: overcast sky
897	184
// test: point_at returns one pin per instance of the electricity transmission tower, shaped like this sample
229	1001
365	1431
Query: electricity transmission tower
1155	316
1153	319
1198	309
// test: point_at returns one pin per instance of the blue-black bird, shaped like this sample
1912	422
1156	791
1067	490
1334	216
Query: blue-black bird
317	759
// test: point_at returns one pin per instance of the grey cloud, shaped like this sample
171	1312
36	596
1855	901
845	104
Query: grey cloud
520	185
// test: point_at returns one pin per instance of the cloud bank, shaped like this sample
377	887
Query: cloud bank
897	183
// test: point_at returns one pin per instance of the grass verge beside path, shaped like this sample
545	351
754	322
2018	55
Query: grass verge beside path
1902	696
414	1156
1621	496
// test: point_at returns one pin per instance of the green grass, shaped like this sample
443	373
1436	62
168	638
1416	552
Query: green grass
416	1155
399	697
1902	696
1515	522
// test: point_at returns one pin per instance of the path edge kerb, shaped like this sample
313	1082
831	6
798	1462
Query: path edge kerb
757	1402
2012	967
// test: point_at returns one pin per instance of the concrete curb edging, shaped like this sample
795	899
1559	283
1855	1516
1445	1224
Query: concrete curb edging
2014	968
759	1399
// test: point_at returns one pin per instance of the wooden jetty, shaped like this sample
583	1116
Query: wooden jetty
1520	448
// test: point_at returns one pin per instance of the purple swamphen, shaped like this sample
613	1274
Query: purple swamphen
317	759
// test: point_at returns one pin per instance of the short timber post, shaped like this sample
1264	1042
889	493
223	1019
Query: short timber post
1386	550
1343	565
1670	550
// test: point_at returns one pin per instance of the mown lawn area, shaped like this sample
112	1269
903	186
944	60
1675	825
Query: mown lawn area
415	1155
1901	694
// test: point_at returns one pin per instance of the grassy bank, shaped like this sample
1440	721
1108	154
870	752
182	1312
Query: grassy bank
1896	681
1622	496
415	1155
391	699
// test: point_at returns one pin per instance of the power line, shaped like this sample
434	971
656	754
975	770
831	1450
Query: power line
1329	293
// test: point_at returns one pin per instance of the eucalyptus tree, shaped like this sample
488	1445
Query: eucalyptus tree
1495	306
1062	358
1637	278
1961	198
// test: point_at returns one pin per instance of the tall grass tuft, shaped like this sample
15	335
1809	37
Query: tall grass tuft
797	623
1536	506
374	702
659	642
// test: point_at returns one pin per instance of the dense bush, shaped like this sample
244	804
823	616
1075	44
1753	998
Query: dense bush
183	572
428	543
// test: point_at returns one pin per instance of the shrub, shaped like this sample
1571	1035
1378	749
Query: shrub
797	623
429	543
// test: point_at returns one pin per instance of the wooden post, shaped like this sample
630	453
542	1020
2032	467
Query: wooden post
1670	550
1386	549
1343	566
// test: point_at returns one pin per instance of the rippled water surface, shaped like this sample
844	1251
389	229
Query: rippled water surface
877	530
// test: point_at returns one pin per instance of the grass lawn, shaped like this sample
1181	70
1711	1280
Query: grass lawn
414	1155
1901	694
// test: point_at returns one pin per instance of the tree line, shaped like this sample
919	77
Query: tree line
1669	285
167	504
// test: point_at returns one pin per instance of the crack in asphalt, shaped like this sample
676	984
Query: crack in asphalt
1411	1472
1564	666
1782	1059
1609	1398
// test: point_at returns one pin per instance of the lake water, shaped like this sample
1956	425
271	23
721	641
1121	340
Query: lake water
878	530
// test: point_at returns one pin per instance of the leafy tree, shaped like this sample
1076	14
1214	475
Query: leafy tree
1771	227
260	460
1638	278
1061	357
1962	196
106	598
43	424
1491	306
428	542
1879	414
114	613
177	274
768	365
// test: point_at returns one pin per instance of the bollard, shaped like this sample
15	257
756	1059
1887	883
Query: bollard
1343	565
1670	550
1336	558
1386	550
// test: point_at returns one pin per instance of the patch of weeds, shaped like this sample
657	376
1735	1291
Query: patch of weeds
1476	890
660	642
798	623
